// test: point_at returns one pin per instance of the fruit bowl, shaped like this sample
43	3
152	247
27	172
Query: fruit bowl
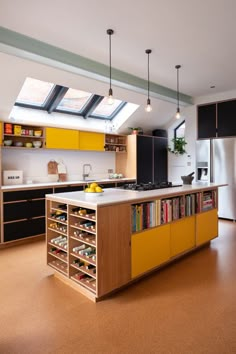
93	194
93	190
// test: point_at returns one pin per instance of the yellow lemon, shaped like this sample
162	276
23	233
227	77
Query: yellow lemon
90	190
98	189
93	185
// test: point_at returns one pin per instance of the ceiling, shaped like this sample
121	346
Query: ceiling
200	36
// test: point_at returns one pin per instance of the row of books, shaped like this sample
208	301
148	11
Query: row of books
162	211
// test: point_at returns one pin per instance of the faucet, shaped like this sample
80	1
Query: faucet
86	174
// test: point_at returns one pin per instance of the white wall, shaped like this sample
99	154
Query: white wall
34	162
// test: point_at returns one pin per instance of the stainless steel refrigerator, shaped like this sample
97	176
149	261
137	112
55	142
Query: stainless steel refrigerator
216	162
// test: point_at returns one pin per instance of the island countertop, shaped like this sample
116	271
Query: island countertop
118	195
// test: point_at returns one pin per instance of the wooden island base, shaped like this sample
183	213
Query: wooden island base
99	245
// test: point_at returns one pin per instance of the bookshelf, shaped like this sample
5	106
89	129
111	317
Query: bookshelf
166	228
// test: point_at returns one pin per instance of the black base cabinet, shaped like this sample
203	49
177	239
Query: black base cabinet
22	229
24	213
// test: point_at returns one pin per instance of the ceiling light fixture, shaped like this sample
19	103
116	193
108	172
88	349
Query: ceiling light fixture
177	115
148	107
110	92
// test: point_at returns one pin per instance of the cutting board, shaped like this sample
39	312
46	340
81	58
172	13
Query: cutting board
52	167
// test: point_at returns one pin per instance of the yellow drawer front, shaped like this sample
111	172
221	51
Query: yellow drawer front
92	141
149	249
182	235
206	226
62	138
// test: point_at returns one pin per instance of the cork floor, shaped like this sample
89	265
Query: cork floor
188	307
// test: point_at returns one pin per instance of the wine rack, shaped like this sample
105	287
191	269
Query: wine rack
57	239
82	232
71	243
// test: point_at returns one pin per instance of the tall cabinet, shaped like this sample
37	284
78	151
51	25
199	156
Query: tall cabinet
147	158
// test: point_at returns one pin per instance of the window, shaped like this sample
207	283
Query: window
179	131
107	111
74	100
56	98
35	92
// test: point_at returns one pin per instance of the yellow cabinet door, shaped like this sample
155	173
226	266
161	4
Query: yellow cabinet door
149	249
182	235
92	141
57	138
206	226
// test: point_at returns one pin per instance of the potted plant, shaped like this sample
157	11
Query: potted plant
178	146
137	130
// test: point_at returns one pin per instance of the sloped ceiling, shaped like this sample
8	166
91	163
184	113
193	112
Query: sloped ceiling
196	35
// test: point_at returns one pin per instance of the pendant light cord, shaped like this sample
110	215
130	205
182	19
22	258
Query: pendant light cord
148	76
178	67
110	56
110	32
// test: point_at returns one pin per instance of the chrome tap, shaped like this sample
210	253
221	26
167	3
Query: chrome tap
86	174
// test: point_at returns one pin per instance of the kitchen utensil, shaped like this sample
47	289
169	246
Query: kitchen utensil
28	145
187	179
191	174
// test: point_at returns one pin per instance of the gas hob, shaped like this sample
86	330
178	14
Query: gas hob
148	186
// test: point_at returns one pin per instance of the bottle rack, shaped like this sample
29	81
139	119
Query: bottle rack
83	247
115	143
71	235
161	211
57	239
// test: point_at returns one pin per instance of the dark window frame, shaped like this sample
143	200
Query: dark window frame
176	129
56	96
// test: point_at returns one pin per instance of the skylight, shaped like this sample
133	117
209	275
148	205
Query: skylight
35	92
74	100
56	98
104	109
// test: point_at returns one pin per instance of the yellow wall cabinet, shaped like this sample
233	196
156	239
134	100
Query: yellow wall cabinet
182	235
150	248
91	141
57	138
206	226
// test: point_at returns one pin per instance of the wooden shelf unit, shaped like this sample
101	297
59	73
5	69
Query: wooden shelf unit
23	134
116	143
81	244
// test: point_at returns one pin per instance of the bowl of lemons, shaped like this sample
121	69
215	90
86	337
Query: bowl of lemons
93	190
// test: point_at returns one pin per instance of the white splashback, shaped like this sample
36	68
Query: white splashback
34	162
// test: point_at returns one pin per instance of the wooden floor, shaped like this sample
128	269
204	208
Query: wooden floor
188	307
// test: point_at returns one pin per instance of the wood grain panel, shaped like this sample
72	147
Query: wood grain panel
113	247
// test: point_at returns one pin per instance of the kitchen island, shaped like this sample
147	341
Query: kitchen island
100	243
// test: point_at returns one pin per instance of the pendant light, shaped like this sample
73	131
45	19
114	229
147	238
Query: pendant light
148	107
110	92
177	115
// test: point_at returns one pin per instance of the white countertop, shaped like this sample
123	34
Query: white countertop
118	195
67	183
